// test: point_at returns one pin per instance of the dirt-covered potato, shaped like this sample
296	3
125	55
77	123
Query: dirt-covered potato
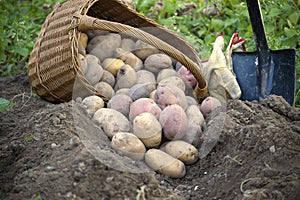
144	105
191	100
165	73
168	94
143	50
129	58
164	163
129	145
121	103
126	77
111	121
97	39
141	90
173	80
105	89
112	65
127	44
208	105
94	73
83	65
183	151
147	128
92	59
106	48
157	62
108	78
94	33
93	103
195	122
145	76
174	122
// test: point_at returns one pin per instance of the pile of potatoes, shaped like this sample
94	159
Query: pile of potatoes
151	114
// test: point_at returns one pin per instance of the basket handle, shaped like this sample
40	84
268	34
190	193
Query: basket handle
89	23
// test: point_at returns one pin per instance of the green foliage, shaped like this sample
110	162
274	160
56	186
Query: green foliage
281	19
20	24
5	104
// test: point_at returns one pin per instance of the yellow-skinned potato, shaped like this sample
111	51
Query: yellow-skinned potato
112	65
129	145
126	77
164	163
93	103
129	58
123	91
152	95
147	128
83	65
82	43
105	89
94	73
183	151
111	121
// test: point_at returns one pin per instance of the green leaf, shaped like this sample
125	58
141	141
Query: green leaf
4	104
294	17
289	32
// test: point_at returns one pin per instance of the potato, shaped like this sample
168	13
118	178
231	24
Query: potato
173	80
94	73
93	103
129	58
144	105
83	65
126	77
143	50
127	44
164	163
174	122
145	76
183	151
82	43
111	121
94	33
157	62
108	78
92	59
97	39
195	122
165	73
147	128
121	103
112	65
168	94
104	89
152	95
123	91
187	76
208	105
129	145
141	90
106	48
191	100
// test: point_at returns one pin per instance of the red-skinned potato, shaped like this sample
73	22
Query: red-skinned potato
174	122
144	105
121	103
208	105
168	94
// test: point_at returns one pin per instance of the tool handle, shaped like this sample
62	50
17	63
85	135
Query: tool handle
257	25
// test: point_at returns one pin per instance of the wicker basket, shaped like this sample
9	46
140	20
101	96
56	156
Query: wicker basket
54	65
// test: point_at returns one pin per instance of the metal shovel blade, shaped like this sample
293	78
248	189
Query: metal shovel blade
264	71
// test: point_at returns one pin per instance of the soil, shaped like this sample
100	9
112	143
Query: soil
54	151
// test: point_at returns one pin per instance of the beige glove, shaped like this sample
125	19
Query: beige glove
218	72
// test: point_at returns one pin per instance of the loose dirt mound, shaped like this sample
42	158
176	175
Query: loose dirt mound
251	151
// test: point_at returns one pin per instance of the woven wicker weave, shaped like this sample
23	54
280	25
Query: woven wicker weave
54	65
